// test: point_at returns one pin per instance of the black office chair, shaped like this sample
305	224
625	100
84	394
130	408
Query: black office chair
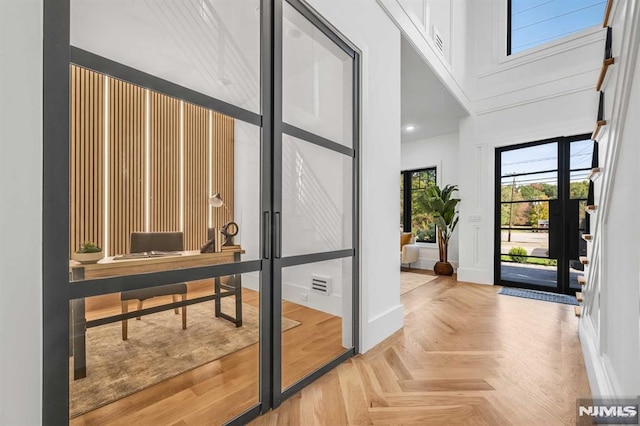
155	241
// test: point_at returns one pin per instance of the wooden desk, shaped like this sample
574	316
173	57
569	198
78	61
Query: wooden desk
108	267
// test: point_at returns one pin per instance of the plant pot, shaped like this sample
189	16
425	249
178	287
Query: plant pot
88	257
443	268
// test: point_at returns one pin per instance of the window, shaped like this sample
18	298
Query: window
531	23
413	218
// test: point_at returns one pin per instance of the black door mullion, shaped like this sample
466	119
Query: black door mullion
276	188
267	35
564	164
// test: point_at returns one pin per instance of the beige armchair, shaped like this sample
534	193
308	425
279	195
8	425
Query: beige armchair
409	250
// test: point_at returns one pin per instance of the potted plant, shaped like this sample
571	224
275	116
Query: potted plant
89	252
442	207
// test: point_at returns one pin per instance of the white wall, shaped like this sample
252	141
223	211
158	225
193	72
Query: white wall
21	212
610	325
366	25
536	94
497	81
479	136
441	152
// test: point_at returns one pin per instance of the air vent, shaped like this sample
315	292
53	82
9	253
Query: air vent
320	284
438	40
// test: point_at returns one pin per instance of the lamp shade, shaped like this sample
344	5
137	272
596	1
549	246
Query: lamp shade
215	200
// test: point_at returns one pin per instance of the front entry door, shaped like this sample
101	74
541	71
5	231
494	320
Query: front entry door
542	190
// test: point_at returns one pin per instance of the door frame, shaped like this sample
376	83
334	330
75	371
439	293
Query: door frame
57	288
563	175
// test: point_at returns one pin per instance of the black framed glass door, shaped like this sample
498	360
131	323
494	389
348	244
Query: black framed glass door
542	192
237	120
315	212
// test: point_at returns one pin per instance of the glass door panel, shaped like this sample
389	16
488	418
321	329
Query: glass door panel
117	361
315	240
524	244
165	160
317	320
209	46
316	198
317	80
542	190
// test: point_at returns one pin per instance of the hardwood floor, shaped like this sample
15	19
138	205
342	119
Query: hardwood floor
218	391
465	356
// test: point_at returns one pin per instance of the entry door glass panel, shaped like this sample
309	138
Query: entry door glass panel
533	159
581	156
316	198
528	190
317	80
210	46
316	316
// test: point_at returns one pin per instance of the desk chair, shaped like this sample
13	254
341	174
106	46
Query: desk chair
159	241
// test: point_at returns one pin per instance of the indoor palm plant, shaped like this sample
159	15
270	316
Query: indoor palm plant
439	203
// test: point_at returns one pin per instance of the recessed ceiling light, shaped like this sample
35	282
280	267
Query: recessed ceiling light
409	128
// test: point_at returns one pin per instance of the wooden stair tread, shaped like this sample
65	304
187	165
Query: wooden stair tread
582	280
584	260
596	130
587	237
595	173
579	297
576	310
603	72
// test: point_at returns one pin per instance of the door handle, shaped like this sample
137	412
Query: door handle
278	234
266	235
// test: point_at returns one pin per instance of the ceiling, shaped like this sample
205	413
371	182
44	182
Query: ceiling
426	103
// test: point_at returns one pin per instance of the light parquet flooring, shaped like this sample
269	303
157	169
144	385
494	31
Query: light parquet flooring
220	390
465	356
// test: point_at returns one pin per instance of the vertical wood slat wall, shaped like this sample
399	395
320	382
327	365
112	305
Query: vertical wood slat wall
222	172
126	172
126	191
196	172
87	158
164	164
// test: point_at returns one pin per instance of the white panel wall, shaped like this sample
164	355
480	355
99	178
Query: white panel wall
610	327
479	136
441	152
366	25
21	212
497	81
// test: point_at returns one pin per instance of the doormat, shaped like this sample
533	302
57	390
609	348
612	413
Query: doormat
539	295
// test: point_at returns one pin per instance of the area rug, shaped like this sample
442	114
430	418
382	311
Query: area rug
410	281
539	295
157	350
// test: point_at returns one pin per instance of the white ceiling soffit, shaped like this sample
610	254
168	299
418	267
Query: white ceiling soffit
427	105
211	46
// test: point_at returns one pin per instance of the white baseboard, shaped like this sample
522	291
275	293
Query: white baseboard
476	276
601	380
381	326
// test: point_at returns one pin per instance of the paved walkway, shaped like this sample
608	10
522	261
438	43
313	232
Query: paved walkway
544	276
